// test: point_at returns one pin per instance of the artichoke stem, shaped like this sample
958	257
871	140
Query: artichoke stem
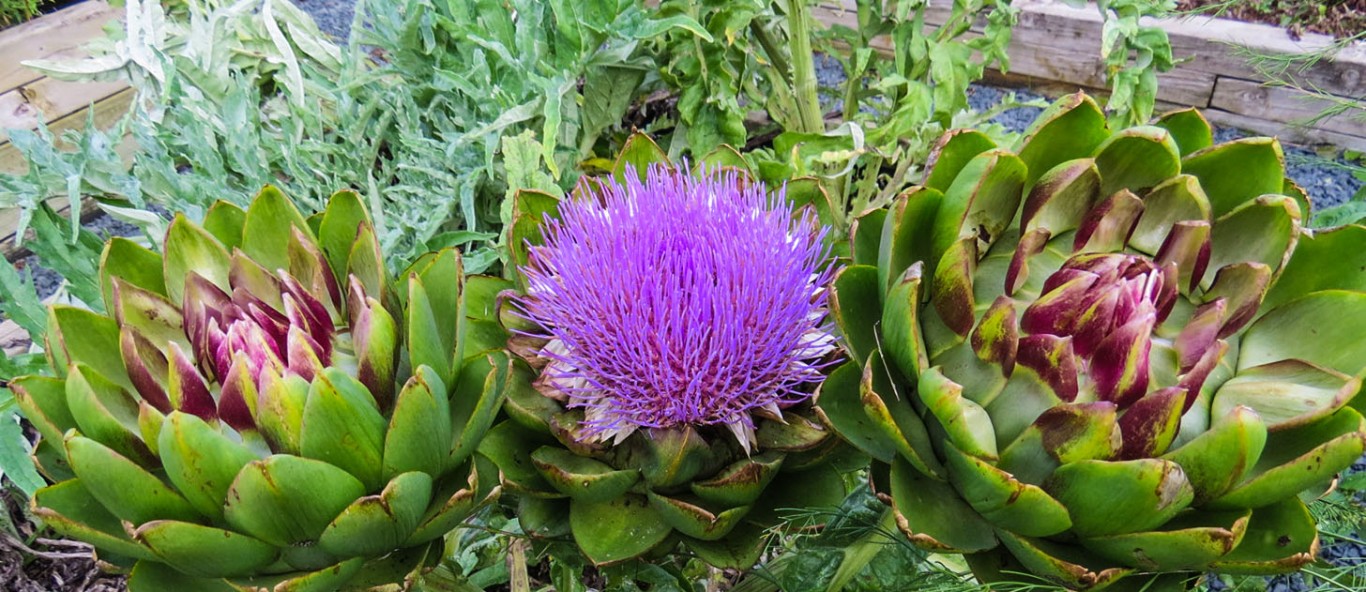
858	555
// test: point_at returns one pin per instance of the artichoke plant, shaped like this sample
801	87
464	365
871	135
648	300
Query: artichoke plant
255	415
1103	354
676	326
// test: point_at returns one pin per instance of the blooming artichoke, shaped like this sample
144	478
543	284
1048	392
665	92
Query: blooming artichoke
247	419
1104	354
676	324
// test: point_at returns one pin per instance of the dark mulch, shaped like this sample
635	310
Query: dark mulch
31	562
1340	18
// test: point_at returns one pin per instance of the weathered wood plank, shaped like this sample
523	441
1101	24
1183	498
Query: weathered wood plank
1047	48
1056	46
1209	43
1285	131
1221	47
1212	46
1280	104
48	99
14	339
56	35
1036	52
108	110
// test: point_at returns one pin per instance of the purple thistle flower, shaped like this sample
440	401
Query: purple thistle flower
680	301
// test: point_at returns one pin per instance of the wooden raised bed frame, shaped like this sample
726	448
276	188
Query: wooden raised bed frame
26	96
1055	50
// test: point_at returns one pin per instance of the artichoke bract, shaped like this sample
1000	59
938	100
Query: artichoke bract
253	416
1103	354
675	324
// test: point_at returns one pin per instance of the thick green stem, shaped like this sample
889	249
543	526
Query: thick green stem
765	580
697	43
772	50
852	85
803	67
858	555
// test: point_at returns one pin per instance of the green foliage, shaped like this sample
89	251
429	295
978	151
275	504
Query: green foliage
14	462
1290	71
349	445
1134	55
13	12
482	75
18	302
996	446
719	76
858	549
754	79
760	57
1342	519
895	100
261	96
437	111
903	101
1353	211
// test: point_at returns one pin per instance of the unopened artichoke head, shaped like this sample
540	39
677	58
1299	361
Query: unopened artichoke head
251	411
1103	353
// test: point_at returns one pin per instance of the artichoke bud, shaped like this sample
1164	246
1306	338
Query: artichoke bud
1107	305
236	417
1101	374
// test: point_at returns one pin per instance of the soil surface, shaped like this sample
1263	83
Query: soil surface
31	563
1340	18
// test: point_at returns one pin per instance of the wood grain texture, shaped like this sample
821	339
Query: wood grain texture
26	97
1055	48
1280	104
57	35
107	111
48	100
14	339
1046	46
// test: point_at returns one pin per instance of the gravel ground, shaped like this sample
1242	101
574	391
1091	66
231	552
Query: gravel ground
333	16
47	280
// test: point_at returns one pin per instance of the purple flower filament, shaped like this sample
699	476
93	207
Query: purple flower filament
678	301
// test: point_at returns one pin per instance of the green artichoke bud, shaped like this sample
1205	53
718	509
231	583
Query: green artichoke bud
1103	354
672	329
247	418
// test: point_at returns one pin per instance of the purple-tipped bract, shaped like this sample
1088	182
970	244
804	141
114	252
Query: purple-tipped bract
680	301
